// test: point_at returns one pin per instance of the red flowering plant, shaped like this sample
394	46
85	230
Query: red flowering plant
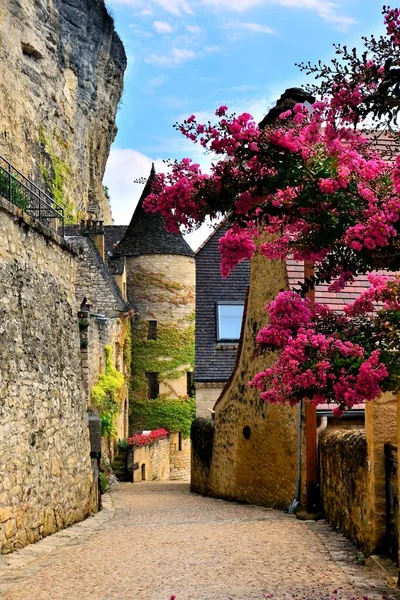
325	356
145	439
310	185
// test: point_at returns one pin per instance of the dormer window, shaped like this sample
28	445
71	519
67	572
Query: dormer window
229	321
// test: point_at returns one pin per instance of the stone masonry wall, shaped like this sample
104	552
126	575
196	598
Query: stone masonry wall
202	439
254	456
155	459
162	288
46	482
94	281
206	396
345	486
103	332
179	458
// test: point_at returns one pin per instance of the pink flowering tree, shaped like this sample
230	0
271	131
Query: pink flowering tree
310	185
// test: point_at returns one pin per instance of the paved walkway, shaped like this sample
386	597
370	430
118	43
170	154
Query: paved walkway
156	540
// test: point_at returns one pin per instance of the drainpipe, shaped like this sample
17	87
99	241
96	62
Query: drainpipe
322	426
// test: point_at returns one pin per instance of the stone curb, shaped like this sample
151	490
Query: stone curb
344	553
69	536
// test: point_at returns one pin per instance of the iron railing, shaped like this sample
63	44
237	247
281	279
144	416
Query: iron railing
22	192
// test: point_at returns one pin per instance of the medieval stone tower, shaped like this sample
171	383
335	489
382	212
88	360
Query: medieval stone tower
160	271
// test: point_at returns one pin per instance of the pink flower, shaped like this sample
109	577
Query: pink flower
285	115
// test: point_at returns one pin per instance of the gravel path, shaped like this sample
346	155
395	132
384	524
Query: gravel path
159	540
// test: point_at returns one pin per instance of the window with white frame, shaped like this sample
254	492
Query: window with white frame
229	321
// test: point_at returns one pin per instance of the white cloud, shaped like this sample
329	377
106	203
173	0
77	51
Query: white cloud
195	29
162	27
250	27
329	11
212	49
139	32
174	102
145	12
124	166
156	82
176	57
256	106
173	7
236	5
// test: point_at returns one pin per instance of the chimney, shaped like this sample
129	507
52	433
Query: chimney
94	230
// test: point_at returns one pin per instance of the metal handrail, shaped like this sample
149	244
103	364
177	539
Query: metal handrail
28	196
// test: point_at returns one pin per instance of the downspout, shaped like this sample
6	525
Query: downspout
322	426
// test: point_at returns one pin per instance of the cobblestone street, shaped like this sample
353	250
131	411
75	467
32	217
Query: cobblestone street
157	539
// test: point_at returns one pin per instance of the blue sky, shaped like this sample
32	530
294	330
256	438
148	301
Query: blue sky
191	56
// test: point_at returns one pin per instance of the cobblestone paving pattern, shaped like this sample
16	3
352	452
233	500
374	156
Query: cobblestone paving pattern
157	539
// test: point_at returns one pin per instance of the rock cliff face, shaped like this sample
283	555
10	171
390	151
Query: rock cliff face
61	78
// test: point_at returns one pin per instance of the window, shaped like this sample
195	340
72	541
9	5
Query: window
153	385
229	321
190	391
152	330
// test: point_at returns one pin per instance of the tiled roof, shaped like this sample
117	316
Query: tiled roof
116	264
113	234
335	300
215	362
146	233
94	280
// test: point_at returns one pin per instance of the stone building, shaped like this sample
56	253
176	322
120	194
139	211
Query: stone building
62	67
47	478
160	277
105	316
219	313
251	451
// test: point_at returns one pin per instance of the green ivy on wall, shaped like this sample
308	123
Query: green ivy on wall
172	350
107	396
174	415
55	176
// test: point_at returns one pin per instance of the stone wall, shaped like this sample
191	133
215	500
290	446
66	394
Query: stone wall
162	288
380	429
94	280
97	333
153	461
345	486
202	438
46	481
179	457
255	450
206	396
61	77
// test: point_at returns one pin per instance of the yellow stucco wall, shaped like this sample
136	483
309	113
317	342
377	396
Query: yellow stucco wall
263	468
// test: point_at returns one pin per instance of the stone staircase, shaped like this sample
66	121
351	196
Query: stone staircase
120	466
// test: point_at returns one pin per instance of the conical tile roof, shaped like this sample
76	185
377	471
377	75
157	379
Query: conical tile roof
146	233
